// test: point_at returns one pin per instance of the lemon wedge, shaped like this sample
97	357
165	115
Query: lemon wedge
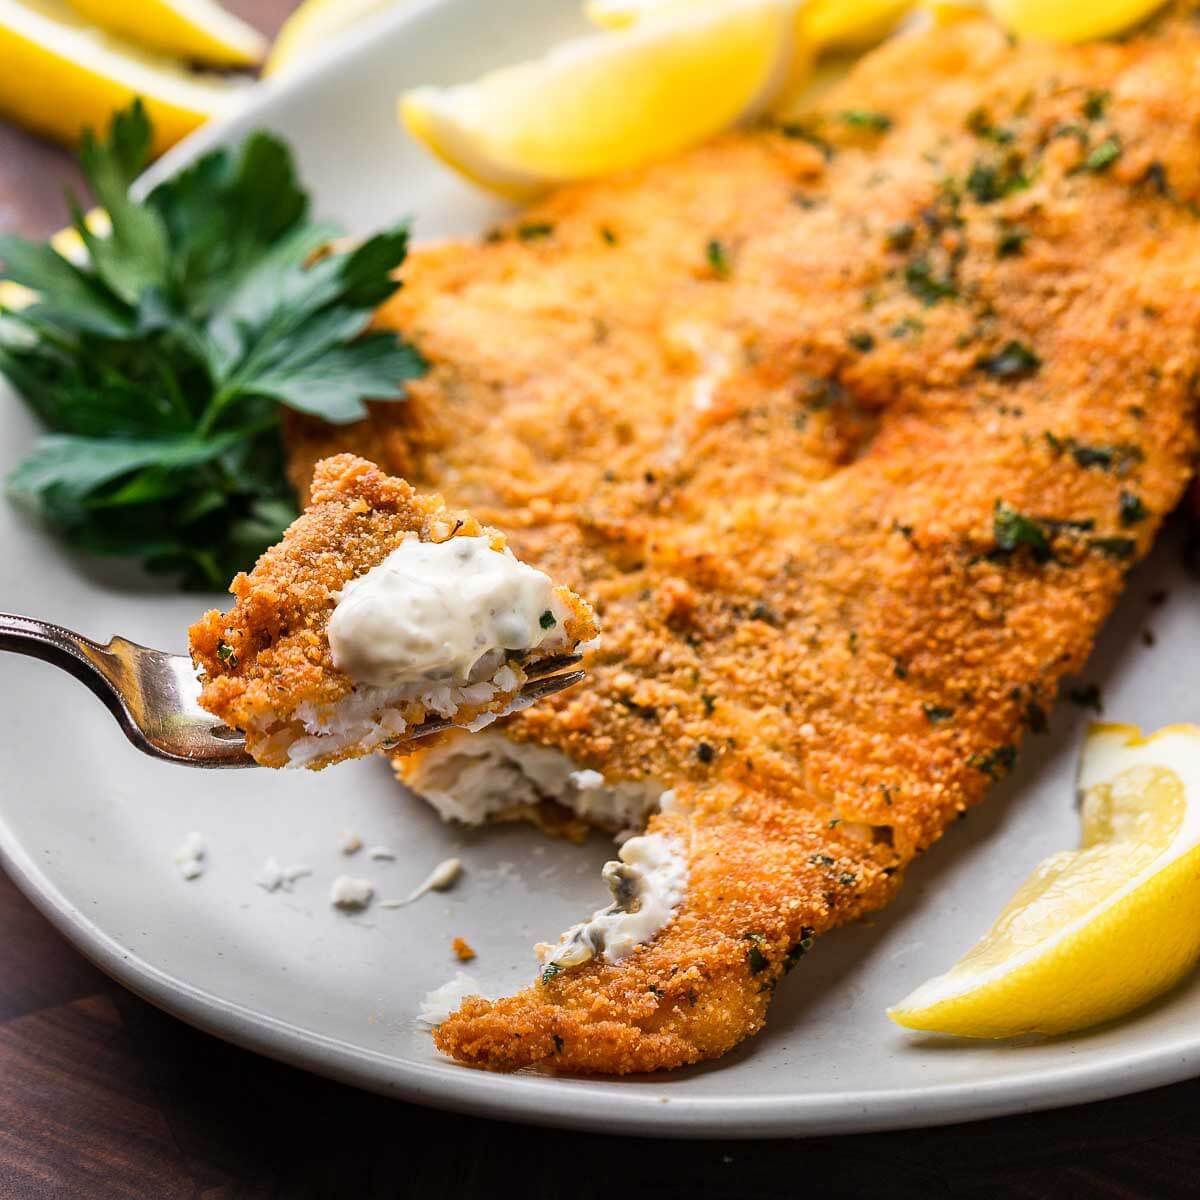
824	24
849	24
194	30
604	102
60	75
313	24
1095	932
1070	20
617	14
947	12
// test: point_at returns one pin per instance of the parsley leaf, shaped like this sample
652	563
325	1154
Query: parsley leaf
929	288
718	258
1012	530
863	118
1014	360
159	363
1101	157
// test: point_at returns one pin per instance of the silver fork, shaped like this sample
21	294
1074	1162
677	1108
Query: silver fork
155	695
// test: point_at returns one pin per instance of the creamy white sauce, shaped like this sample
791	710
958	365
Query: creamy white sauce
351	894
441	612
648	884
443	876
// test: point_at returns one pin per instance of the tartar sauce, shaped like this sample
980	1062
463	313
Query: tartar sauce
432	610
648	884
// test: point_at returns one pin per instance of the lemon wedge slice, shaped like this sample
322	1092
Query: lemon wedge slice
312	25
1070	20
1098	931
849	24
60	75
617	14
195	30
604	102
825	24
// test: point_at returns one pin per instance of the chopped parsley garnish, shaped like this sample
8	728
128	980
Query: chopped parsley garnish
608	236
755	958
1014	360
1119	458
1013	530
988	182
1131	509
925	285
907	325
1011	241
900	668
1093	456
1114	547
980	124
1101	157
861	340
546	620
1071	130
802	133
1095	103
717	258
550	972
531	231
862	118
900	237
994	763
1115	458
225	653
765	613
160	364
936	713
1155	176
800	949
1086	695
709	702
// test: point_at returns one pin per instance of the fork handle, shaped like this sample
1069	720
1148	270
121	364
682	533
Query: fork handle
77	655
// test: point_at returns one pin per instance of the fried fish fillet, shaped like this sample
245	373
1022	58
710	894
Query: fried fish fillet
851	431
271	667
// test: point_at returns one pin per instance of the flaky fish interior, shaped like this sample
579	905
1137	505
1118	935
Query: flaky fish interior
271	665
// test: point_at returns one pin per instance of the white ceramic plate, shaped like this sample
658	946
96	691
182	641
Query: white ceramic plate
88	826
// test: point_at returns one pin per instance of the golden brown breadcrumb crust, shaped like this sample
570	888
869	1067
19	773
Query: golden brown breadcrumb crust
271	652
851	431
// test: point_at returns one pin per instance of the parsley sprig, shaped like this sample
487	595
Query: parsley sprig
159	365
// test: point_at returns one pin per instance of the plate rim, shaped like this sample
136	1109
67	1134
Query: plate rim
630	1107
626	1107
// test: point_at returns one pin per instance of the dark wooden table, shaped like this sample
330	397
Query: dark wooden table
102	1095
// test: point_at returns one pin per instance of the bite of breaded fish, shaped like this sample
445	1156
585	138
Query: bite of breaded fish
851	431
380	609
